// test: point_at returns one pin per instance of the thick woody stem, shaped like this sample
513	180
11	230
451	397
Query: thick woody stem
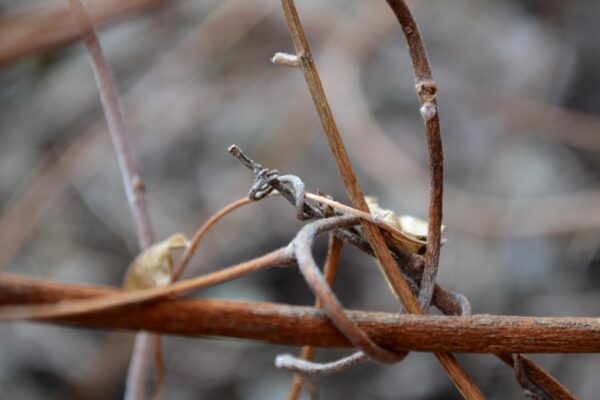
292	325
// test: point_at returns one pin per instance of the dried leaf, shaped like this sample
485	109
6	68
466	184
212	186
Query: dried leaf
387	216
154	266
409	225
412	226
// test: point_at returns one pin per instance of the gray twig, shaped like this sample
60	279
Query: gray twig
289	362
132	181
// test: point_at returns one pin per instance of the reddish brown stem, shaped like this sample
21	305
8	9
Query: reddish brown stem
426	91
202	231
540	378
308	326
278	257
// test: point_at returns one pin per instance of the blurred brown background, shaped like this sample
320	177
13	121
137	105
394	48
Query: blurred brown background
519	98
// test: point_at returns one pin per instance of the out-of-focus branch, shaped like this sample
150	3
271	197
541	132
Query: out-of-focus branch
221	29
33	30
132	181
309	326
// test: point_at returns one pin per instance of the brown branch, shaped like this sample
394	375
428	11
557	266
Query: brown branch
448	303
292	325
426	91
33	30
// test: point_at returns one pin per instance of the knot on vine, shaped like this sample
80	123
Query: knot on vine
266	180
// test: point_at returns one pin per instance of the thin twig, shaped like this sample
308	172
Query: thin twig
334	250
364	215
132	181
542	380
280	257
177	271
426	91
201	232
302	245
159	365
302	367
267	180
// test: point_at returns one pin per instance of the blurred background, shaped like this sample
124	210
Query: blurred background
519	99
